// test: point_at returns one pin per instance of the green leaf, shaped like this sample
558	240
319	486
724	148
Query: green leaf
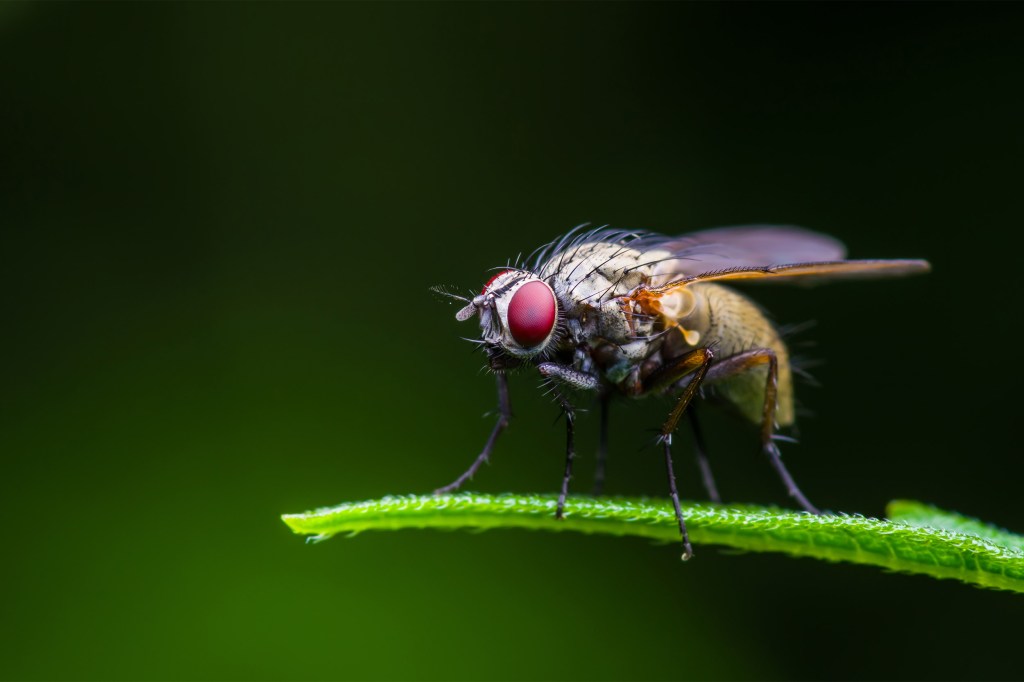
926	515
919	539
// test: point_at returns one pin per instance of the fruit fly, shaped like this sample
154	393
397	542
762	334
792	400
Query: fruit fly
638	314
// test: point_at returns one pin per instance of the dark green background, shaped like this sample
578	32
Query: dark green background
219	226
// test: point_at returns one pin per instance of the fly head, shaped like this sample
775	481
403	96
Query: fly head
518	313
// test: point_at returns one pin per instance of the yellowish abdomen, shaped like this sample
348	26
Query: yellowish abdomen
735	324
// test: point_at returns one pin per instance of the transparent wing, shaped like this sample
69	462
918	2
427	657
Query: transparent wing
728	248
810	273
751	253
663	298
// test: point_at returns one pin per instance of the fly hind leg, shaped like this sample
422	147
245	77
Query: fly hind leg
602	446
702	456
747	361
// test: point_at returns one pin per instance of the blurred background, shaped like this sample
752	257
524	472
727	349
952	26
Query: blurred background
219	226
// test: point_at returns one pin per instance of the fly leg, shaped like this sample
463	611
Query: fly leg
585	382
573	378
504	415
602	445
702	457
570	450
747	361
695	362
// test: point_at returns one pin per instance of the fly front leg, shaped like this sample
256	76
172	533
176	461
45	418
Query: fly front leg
584	381
745	362
570	450
697	363
574	378
504	416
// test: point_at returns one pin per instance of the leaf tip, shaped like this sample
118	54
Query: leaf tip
294	521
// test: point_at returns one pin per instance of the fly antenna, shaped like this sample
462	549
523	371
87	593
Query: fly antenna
466	312
444	292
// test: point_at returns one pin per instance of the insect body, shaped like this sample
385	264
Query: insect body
640	314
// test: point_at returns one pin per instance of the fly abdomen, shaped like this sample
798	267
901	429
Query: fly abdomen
730	323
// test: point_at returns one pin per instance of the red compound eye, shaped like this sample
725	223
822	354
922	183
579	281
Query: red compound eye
531	313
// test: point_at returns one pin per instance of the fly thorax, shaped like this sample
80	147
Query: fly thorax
595	272
618	361
612	323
